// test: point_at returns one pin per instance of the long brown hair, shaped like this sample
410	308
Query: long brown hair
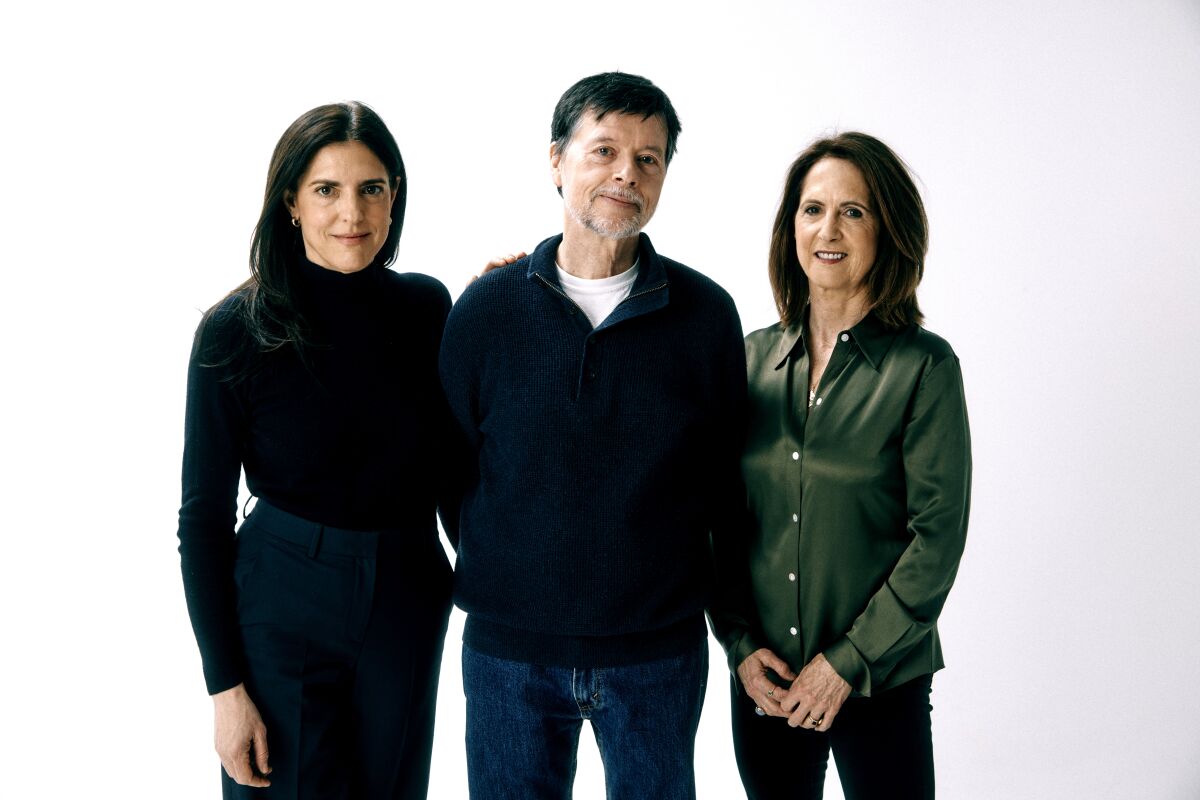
903	235
266	304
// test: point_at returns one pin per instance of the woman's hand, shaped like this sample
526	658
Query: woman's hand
815	697
758	685
241	737
497	263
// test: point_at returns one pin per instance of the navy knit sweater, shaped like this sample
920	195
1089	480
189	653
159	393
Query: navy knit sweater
605	456
355	438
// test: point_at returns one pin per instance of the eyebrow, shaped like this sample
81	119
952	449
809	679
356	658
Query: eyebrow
325	182
858	203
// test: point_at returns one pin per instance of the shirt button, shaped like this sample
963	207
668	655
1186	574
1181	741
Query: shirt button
845	337
795	456
794	631
795	517
792	578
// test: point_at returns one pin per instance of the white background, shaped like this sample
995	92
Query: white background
1058	148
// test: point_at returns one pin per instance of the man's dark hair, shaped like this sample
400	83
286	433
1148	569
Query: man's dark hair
609	92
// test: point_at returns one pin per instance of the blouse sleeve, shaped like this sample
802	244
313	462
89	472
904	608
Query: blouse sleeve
731	611
937	474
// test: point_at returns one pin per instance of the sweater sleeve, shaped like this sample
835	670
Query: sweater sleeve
214	427
459	358
452	448
937	473
731	612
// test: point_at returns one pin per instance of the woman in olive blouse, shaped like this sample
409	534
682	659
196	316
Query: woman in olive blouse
857	471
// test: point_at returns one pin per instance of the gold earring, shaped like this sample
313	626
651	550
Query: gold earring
295	222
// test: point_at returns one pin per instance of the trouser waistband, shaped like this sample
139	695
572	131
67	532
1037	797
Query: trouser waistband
313	535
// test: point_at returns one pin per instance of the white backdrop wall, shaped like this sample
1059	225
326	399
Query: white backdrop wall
1058	147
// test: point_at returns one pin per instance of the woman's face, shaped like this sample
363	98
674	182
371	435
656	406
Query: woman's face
836	228
344	205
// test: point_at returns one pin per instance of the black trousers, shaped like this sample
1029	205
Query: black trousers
882	744
343	633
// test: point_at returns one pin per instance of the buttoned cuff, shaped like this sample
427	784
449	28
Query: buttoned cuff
738	654
845	659
738	648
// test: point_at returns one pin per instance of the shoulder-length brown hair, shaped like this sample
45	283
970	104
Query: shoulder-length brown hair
903	233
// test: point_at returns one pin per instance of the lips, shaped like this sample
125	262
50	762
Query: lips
619	196
830	256
350	238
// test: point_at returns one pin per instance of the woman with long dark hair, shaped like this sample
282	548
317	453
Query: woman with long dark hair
321	620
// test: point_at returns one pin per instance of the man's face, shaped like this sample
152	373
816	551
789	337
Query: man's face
611	173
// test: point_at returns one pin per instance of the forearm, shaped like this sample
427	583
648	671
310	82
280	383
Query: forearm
937	472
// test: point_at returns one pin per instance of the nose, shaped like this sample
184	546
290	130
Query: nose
831	225
625	171
350	207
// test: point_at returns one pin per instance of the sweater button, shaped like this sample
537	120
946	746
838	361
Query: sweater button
792	577
793	631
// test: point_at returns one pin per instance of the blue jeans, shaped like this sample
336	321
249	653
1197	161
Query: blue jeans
523	724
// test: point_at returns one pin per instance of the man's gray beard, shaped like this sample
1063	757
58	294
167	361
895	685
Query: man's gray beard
601	226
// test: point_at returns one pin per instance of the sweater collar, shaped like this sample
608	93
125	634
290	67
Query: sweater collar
323	285
651	272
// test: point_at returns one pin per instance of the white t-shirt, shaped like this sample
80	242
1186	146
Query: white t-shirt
598	296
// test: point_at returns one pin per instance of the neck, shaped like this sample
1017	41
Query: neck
830	313
587	255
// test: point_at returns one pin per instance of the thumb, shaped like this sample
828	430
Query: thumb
260	751
777	664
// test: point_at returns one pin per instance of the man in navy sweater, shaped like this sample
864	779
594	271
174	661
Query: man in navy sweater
601	390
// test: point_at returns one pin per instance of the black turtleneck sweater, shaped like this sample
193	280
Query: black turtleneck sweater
354	438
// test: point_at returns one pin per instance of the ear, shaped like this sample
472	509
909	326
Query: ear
555	173
289	201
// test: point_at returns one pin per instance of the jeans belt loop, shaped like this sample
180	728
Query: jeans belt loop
316	541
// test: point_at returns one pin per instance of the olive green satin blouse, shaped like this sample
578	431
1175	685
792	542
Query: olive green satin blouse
857	506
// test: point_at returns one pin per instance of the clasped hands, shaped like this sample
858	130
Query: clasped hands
811	701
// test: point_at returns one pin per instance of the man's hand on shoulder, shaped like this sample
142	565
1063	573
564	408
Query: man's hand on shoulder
497	263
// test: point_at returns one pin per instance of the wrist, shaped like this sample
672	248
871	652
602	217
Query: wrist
234	694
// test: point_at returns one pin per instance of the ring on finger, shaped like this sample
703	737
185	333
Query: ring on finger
816	721
771	692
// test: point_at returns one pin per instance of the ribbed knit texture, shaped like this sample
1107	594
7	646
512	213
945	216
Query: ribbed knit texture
355	439
605	457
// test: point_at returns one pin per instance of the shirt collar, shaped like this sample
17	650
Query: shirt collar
872	336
